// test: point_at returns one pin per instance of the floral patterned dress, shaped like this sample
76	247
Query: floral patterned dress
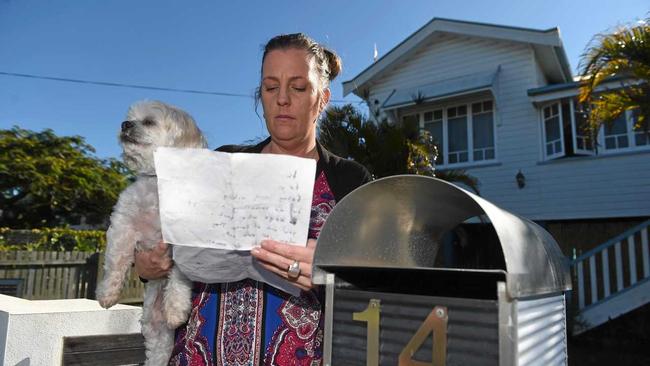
251	323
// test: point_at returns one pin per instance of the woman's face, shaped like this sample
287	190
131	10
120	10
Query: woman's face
290	96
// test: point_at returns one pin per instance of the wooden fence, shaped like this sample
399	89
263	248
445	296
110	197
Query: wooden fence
43	275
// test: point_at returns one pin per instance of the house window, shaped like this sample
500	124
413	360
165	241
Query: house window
624	134
616	134
433	124
553	145
457	127
464	134
483	131
641	136
565	130
583	141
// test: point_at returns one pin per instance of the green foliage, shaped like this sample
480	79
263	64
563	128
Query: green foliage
52	239
48	180
623	54
385	149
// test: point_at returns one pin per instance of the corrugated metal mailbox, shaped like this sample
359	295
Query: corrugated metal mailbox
420	272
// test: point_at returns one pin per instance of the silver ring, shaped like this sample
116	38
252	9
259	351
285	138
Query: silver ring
293	271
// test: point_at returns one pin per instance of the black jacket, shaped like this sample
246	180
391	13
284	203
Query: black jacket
343	175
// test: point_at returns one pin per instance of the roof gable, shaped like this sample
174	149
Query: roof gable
546	43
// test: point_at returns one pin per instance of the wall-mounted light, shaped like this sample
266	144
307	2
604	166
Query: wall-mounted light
521	180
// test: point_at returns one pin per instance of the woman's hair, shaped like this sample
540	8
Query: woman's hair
328	64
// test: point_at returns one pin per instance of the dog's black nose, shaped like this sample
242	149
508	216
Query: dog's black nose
126	125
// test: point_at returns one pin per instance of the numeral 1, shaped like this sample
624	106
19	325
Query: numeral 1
371	316
435	324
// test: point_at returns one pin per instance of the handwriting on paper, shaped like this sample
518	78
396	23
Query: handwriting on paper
233	201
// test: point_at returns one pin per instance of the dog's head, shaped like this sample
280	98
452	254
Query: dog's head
152	124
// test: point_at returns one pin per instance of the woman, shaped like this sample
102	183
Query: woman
249	322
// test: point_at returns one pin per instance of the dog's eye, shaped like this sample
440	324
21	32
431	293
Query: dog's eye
148	122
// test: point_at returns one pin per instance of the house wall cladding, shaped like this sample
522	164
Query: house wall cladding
571	188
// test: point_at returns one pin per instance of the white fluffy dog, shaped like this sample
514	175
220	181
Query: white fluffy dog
135	224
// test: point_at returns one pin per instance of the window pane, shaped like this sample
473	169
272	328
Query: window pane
462	110
435	129
641	137
451	112
552	128
482	133
567	127
616	133
487	105
428	116
483	130
549	149
457	130
437	114
618	126
583	135
476	108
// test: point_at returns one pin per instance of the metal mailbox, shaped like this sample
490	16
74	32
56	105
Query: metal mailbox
420	272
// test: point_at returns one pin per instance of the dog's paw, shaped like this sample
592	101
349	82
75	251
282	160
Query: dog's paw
108	301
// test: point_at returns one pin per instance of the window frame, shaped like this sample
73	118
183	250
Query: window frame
630	134
562	153
470	130
574	130
598	141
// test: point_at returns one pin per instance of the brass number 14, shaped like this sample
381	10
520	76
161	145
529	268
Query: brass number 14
435	324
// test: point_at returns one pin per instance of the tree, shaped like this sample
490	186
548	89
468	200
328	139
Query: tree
623	54
384	148
47	180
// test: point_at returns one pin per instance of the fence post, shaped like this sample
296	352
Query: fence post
92	274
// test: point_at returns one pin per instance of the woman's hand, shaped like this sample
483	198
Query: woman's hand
153	264
277	257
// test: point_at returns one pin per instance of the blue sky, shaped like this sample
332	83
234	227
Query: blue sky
216	46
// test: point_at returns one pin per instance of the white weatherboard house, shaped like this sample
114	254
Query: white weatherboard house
501	102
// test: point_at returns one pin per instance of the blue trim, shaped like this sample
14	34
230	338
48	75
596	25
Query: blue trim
553	88
566	86
611	242
615	294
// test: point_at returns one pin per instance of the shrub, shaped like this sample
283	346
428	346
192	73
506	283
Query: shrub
53	239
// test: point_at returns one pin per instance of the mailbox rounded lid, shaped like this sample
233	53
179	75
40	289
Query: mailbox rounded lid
400	221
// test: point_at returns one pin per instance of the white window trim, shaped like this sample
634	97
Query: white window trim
631	138
574	130
599	149
561	153
470	137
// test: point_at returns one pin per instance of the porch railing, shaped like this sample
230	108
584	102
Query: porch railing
613	267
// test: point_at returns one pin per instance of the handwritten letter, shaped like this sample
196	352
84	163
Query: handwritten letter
233	201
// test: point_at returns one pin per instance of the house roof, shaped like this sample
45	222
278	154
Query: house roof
546	43
441	89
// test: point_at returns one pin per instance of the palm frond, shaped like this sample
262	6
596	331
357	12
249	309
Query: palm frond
622	54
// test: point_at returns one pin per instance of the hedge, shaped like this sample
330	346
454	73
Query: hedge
52	239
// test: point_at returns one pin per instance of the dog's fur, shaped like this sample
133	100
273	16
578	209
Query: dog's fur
135	224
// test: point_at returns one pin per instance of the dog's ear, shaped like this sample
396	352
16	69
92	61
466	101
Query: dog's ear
190	135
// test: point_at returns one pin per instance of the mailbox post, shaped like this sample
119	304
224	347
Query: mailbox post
420	272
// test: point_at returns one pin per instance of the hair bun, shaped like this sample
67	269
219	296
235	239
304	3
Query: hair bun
334	63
